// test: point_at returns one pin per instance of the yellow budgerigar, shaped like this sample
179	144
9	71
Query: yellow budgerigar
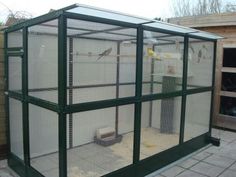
152	54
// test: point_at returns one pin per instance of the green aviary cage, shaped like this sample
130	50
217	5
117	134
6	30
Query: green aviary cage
91	92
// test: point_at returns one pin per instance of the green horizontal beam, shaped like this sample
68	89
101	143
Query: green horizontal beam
99	104
105	103
43	103
15	95
198	90
129	100
159	96
128	171
33	172
16	164
11	49
15	54
166	157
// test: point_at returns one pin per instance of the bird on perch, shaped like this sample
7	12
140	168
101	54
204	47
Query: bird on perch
105	53
152	54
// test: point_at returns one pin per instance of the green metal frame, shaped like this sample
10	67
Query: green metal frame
184	88
138	95
213	87
62	94
139	167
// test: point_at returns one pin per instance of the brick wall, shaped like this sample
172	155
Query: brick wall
3	142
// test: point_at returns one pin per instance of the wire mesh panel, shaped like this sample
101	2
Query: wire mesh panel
200	63
162	63
160	126
43	61
197	119
127	67
15	74
100	61
43	126
16	130
103	146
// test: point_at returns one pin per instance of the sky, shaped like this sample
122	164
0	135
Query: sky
147	8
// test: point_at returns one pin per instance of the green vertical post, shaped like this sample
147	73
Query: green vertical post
6	95
184	88
151	87
213	87
117	88
138	95
25	103
62	96
70	95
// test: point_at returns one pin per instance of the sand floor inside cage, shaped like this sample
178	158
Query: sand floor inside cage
92	160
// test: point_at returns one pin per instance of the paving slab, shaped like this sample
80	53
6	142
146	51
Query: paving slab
188	163
189	173
233	167
219	161
173	171
228	173
207	169
202	155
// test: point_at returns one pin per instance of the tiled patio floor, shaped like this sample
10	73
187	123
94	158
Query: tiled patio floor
207	162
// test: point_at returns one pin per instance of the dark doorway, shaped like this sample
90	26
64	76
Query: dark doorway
229	57
228	106
228	83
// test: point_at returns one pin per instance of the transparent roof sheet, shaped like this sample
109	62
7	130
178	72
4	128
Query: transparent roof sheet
127	31
89	26
91	11
79	28
49	27
43	30
106	36
170	27
206	35
71	32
